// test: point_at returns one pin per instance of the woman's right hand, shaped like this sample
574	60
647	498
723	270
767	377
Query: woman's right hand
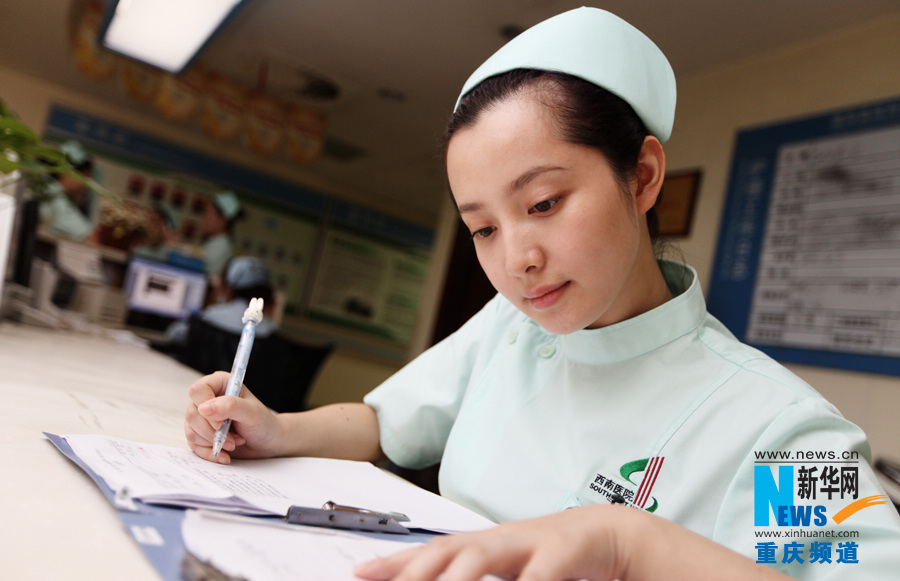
254	428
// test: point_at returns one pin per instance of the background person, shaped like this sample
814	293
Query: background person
162	234
220	214
245	278
68	208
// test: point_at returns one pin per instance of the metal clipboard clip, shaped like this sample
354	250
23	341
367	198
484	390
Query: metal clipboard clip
333	515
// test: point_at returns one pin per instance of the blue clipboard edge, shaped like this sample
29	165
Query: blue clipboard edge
156	529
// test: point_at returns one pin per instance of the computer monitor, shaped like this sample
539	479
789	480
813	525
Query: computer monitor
160	289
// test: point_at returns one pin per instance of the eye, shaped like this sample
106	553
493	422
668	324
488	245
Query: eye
483	232
544	206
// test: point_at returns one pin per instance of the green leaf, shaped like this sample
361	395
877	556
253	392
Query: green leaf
7	166
35	158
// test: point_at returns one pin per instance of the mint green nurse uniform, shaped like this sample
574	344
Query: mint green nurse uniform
217	251
667	411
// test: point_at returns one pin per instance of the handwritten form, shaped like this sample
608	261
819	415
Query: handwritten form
175	476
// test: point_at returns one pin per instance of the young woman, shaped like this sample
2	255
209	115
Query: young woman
596	373
219	216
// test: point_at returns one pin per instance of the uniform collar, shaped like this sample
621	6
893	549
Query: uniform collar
648	331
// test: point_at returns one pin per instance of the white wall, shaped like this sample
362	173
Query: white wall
854	67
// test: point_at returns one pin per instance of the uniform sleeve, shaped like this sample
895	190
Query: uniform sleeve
60	216
418	405
815	464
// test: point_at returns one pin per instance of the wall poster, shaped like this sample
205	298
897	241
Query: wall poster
808	260
371	274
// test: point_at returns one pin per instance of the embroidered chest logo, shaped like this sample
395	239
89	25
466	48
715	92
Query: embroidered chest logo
636	488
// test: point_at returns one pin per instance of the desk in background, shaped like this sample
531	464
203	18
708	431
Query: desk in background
56	523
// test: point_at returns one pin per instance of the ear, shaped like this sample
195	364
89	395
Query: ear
650	174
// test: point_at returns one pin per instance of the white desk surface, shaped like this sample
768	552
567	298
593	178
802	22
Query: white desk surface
54	521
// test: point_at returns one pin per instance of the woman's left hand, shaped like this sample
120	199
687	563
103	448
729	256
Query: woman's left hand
574	544
597	543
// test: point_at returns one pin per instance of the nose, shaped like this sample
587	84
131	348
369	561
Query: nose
524	254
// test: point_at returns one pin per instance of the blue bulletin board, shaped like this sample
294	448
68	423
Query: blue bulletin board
807	267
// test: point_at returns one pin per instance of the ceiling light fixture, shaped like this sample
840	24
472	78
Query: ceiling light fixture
166	34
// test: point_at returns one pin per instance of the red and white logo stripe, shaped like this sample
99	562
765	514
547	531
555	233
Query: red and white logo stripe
650	474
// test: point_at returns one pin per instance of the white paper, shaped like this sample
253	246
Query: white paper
82	262
165	475
244	549
259	550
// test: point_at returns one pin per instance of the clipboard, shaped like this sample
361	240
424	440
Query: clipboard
158	529
333	515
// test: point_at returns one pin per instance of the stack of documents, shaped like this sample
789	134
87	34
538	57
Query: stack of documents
260	549
163	475
227	531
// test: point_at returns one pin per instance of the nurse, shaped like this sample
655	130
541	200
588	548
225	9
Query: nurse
245	278
68	209
162	234
219	217
596	373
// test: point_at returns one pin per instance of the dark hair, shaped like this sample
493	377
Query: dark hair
229	222
586	113
85	168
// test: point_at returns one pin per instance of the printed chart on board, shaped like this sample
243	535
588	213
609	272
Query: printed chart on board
829	268
807	263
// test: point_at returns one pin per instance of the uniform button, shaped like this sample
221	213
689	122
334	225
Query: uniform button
547	351
511	338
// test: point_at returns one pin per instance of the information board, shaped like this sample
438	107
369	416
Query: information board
372	272
808	260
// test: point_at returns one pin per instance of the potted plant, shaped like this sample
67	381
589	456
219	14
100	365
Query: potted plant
24	155
26	158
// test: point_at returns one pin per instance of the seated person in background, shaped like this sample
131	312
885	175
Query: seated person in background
68	207
245	278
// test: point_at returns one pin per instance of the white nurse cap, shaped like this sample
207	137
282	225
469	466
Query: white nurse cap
598	47
228	204
246	272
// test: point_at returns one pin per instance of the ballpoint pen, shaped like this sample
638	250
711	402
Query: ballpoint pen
252	317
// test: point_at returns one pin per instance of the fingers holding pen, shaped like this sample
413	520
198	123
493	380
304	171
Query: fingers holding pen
207	397
208	387
206	411
254	429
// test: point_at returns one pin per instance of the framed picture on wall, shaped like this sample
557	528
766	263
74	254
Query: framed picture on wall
675	205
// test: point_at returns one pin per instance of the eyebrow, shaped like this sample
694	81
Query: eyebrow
517	184
523	180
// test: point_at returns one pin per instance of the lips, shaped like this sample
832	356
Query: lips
546	296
